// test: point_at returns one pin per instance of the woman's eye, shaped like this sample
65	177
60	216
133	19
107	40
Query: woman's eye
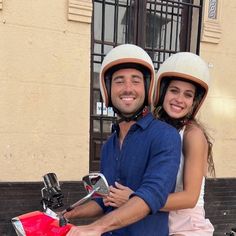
174	90
189	95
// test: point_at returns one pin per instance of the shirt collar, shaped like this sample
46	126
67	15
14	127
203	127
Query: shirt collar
145	121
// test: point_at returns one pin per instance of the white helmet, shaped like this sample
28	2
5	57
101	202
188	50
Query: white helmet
188	67
126	56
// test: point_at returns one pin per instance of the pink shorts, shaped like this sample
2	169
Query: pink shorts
190	222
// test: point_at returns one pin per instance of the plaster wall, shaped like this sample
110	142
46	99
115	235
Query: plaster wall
44	91
219	111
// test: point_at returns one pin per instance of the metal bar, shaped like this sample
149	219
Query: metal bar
189	28
177	27
199	27
127	20
171	28
115	30
160	30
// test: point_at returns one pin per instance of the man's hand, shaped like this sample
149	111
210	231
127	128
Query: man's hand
118	195
86	230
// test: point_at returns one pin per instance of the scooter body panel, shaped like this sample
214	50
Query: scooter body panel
40	224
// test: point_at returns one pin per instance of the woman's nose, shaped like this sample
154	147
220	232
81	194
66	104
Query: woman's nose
179	97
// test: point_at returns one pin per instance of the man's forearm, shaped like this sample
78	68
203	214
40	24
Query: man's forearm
89	209
132	211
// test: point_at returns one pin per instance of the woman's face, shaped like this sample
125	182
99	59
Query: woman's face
178	101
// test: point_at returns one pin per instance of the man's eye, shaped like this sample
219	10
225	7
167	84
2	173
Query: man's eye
137	80
118	81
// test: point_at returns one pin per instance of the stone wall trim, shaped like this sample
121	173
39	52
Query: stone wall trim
80	10
211	29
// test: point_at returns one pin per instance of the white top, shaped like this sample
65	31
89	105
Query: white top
179	180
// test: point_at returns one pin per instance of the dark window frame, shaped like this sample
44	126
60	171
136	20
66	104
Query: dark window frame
161	27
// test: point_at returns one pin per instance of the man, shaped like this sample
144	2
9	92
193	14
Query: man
142	153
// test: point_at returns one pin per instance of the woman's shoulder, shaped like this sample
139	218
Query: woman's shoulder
194	131
193	126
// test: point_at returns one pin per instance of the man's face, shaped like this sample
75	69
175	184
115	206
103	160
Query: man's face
127	90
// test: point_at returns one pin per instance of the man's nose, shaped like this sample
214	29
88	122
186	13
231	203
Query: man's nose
128	85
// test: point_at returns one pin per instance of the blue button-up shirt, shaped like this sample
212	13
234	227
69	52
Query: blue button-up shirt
147	162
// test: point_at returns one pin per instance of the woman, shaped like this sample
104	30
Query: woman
181	88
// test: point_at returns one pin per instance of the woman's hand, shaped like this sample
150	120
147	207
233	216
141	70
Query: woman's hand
118	195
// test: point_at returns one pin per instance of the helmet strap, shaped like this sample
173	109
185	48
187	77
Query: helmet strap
136	116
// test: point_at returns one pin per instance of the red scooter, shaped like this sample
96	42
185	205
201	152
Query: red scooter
47	222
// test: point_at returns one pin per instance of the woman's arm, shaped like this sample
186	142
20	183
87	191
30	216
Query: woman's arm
195	151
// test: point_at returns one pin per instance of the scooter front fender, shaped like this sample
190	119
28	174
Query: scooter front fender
38	223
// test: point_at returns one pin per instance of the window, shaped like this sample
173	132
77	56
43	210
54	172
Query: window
160	27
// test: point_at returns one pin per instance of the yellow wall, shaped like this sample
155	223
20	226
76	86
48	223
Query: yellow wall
219	112
44	89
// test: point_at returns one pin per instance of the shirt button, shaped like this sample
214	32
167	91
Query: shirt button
110	233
